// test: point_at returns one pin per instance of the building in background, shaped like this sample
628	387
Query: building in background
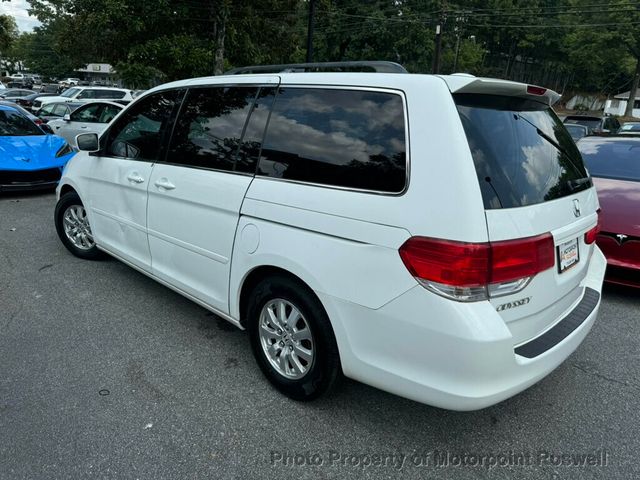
100	73
618	104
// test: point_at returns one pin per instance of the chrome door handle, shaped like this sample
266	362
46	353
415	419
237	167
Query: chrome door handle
135	178
164	183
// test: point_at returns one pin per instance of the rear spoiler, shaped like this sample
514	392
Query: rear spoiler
465	83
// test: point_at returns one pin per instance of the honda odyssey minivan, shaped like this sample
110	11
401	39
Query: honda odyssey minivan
432	236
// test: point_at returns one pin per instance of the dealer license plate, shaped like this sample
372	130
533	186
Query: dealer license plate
568	254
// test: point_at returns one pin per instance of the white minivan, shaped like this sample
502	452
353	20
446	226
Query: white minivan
432	236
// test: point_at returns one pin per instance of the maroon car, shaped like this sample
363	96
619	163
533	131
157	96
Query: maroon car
614	164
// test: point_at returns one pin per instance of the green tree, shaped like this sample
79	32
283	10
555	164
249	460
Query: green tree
8	35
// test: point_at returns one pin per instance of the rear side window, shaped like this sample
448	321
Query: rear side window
88	114
345	138
209	127
108	113
60	110
87	94
109	94
47	109
522	153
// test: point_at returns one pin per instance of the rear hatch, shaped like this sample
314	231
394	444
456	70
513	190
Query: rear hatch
534	186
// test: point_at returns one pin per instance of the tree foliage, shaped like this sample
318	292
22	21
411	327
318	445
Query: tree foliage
563	44
8	36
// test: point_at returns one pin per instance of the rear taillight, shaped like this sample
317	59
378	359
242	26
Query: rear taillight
592	234
38	121
475	271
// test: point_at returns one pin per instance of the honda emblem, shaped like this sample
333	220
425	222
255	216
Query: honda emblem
576	207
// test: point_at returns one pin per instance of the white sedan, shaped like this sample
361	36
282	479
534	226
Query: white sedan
92	117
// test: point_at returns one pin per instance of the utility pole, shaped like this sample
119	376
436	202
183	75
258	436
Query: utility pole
438	47
459	30
310	26
438	40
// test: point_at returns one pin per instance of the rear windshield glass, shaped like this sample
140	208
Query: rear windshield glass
522	152
587	122
612	158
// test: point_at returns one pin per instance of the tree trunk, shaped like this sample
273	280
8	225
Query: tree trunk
219	11
632	93
218	53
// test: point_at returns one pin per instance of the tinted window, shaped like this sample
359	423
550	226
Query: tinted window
87	94
108	113
591	123
47	109
630	127
60	110
70	92
346	138
576	131
14	124
209	127
254	132
88	114
612	158
522	153
109	94
140	131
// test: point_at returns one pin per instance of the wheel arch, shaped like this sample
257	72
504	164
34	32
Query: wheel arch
67	188
255	276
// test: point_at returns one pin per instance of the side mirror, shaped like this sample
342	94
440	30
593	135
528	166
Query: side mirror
88	142
67	117
46	128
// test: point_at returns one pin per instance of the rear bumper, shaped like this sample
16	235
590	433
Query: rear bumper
458	356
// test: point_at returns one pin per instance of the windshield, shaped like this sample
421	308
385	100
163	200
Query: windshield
630	127
70	92
12	124
617	158
522	152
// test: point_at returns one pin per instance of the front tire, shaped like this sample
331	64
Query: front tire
292	339
74	230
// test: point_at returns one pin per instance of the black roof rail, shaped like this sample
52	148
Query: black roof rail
360	66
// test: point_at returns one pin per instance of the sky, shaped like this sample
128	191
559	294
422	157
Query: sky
18	10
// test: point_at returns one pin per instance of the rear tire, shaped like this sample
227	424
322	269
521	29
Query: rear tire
72	225
292	339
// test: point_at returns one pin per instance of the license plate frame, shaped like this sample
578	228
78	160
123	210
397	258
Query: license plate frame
568	254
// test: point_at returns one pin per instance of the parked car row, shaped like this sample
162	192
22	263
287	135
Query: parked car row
595	124
85	94
91	117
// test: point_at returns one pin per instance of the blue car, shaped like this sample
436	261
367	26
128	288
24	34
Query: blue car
29	158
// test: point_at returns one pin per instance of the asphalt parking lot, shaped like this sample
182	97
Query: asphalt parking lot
106	374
